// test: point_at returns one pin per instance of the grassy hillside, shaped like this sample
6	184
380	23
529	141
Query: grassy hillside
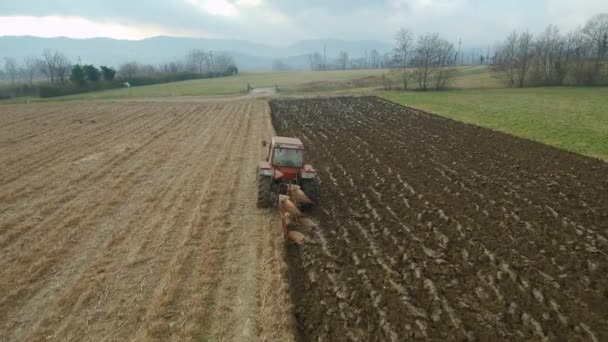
473	77
575	119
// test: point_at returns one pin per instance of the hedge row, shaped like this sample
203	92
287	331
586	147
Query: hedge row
46	90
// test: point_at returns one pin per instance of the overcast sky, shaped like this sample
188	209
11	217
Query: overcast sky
281	21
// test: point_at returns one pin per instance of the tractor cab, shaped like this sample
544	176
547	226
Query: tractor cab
285	157
285	163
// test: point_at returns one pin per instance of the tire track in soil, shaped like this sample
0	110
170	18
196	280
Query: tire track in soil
427	226
140	243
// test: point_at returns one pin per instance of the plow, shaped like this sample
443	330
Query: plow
286	181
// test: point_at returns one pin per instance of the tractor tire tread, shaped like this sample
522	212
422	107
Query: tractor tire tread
264	185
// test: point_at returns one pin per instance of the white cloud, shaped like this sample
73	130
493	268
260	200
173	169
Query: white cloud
216	7
249	3
479	21
568	14
428	5
77	27
225	8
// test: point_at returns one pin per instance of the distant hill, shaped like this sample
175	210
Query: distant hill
248	55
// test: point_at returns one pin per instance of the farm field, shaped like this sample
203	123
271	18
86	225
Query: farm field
137	221
434	229
289	82
232	85
574	119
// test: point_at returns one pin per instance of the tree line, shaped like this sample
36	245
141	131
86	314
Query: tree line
549	59
428	61
54	74
52	65
372	59
211	63
552	58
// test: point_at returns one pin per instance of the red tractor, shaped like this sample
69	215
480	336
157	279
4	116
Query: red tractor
285	164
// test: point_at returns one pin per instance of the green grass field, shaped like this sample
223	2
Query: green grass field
474	77
287	81
574	119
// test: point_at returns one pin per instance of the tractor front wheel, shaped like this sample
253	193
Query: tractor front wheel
264	191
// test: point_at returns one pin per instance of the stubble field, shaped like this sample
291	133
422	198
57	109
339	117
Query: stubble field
125	221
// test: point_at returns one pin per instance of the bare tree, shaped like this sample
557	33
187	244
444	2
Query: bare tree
358	63
146	69
374	59
555	56
513	58
404	40
56	66
564	64
444	70
173	67
49	65
582	69
523	57
11	69
426	55
31	65
64	66
596	31
342	60
223	61
505	58
279	65
128	70
198	60
315	61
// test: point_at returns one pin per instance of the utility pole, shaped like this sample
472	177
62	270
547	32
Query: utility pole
458	53
324	57
488	55
211	57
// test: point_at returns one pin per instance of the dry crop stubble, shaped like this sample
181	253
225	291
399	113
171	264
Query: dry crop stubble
134	220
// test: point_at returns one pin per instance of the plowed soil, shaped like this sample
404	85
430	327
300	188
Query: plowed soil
123	221
434	229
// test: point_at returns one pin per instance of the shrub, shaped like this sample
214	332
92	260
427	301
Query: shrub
12	91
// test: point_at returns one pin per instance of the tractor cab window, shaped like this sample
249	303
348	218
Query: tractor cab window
287	157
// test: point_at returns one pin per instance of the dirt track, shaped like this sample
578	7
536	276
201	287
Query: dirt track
137	221
437	230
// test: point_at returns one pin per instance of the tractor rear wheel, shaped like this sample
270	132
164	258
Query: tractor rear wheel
264	191
311	189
